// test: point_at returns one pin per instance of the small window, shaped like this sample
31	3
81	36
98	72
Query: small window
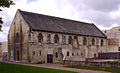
64	39
67	53
119	49
84	41
33	53
40	37
94	55
56	38
70	40
105	31
102	42
75	37
93	41
77	53
40	53
81	53
119	29
72	54
56	54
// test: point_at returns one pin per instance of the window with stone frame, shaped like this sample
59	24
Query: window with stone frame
33	53
95	55
81	54
56	54
72	54
77	54
84	41
102	42
40	53
64	39
93	41
17	37
76	38
40	37
56	38
119	49
49	38
70	40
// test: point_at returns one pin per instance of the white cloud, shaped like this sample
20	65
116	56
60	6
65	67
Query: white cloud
70	9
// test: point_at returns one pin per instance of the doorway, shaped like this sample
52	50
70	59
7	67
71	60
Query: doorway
49	58
18	55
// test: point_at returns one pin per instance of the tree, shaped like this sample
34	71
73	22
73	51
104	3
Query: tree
3	4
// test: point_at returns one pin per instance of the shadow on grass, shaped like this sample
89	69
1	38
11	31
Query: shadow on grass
15	68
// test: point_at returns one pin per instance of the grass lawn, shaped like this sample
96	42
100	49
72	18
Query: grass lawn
116	70
15	68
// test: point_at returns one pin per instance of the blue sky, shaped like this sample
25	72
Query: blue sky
30	1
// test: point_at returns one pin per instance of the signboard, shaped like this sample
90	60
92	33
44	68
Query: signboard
11	52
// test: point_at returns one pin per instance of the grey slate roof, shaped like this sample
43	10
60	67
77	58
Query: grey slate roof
42	22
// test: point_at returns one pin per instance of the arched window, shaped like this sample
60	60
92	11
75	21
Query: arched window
17	37
64	39
75	37
102	42
84	41
56	38
40	37
93	41
70	40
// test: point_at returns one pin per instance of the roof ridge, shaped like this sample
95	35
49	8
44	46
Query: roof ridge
56	17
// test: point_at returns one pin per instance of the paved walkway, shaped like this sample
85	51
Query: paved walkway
60	67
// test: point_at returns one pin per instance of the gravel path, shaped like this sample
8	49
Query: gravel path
60	67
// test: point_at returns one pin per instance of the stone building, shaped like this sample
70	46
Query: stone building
3	50
0	51
113	36
39	38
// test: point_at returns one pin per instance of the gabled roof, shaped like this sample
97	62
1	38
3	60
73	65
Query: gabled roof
42	22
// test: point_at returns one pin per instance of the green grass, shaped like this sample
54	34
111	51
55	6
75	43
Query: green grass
116	70
15	68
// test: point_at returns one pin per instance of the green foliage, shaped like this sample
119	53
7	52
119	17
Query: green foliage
3	4
116	70
6	3
14	68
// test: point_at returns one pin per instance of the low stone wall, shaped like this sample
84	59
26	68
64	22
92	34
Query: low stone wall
96	64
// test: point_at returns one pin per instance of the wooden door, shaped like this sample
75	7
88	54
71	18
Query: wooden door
18	55
49	58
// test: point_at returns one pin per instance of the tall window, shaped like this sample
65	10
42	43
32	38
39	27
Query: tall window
33	53
70	40
64	39
56	54
56	38
40	53
119	49
102	42
84	41
93	41
17	37
49	38
40	37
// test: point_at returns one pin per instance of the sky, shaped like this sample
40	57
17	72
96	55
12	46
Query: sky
105	14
